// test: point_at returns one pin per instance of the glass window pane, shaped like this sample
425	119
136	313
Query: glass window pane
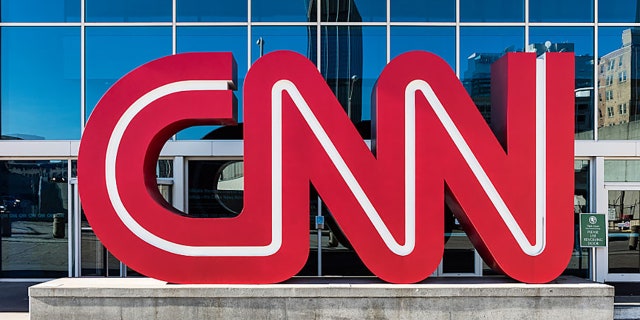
353	11
294	38
283	10
351	73
164	168
166	190
624	227
579	263
481	47
211	10
40	83
609	39
618	107
111	52
74	168
561	11
622	170
128	10
582	190
429	10
492	10
459	255
95	259
618	11
40	10
580	41
33	217
215	188
215	39
438	40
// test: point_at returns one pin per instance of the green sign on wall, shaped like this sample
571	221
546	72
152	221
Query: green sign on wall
593	230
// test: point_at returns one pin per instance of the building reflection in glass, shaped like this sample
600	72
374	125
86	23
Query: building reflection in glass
477	82
340	53
33	217
480	55
618	112
583	85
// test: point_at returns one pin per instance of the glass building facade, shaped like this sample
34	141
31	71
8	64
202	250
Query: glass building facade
58	57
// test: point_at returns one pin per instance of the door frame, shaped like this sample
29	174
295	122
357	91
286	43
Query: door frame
477	268
604	207
75	230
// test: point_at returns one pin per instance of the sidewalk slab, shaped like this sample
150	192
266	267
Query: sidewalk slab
14	315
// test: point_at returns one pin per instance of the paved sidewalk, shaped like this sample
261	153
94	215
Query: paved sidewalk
14	315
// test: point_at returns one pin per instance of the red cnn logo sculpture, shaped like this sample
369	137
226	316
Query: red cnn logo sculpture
512	190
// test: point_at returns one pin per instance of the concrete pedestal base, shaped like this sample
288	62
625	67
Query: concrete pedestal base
325	298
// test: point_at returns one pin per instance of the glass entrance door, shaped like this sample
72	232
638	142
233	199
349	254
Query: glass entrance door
89	257
624	227
460	258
